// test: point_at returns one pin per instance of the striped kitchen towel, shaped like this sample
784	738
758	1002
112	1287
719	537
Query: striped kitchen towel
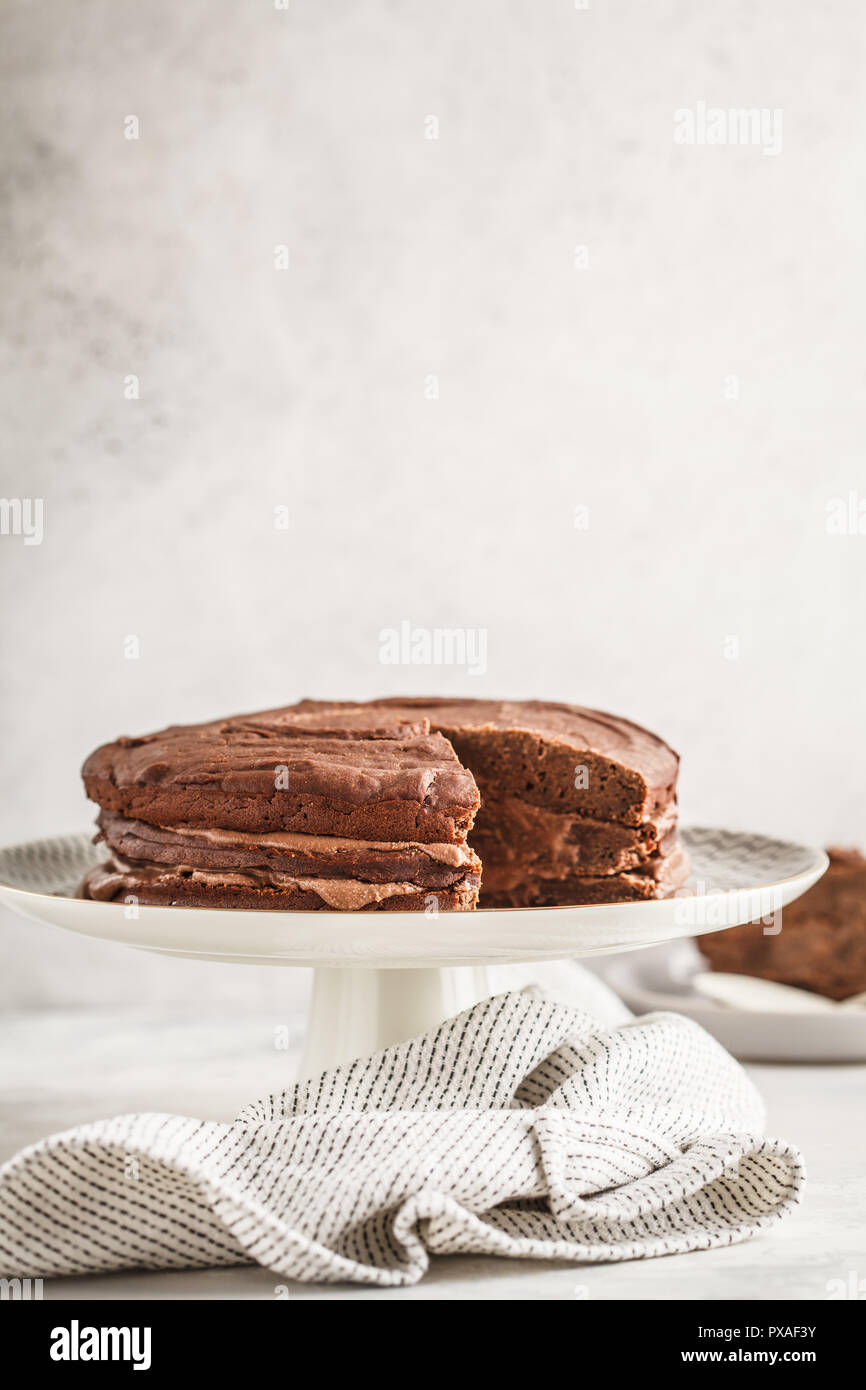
522	1127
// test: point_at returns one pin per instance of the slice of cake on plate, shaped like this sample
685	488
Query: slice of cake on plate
368	806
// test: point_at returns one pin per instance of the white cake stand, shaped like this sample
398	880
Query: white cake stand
381	977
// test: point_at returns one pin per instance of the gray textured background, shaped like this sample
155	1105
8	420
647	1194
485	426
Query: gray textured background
558	387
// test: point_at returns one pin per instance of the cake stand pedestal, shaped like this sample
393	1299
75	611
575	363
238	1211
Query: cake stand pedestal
355	1012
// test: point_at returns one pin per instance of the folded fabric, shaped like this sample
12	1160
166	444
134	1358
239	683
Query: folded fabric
521	1127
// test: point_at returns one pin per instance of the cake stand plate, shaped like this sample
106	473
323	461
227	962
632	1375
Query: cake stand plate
381	977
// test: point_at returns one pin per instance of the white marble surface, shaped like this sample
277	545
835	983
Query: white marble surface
63	1068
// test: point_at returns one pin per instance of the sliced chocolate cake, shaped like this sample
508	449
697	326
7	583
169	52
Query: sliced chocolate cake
822	942
286	810
368	806
576	805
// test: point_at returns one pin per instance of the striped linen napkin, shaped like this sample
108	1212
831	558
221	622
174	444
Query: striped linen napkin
521	1127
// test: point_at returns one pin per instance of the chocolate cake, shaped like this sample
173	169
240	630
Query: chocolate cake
368	806
822	942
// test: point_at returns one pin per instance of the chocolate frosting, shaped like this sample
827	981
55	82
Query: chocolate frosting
578	728
308	856
119	877
321	772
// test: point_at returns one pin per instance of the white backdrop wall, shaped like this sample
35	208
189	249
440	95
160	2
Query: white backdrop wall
532	367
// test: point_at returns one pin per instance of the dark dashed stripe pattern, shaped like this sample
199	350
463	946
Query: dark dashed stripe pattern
519	1128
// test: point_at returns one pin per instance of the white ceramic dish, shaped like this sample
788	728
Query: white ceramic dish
735	878
381	976
661	980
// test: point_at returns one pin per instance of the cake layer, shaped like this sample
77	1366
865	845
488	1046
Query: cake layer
662	878
822	942
367	775
305	856
160	885
532	839
559	756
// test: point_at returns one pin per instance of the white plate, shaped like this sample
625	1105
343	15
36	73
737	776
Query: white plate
735	878
660	981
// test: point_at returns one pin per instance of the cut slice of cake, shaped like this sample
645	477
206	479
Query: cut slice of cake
561	757
576	805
